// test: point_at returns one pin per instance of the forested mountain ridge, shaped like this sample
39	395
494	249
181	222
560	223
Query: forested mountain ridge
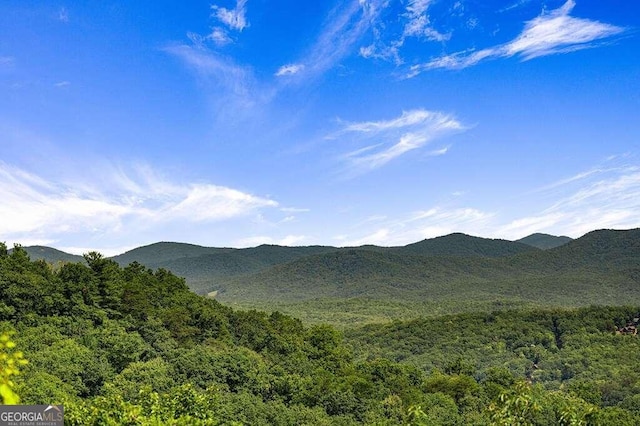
203	266
463	245
372	283
605	249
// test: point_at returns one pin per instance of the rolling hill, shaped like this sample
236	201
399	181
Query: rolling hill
462	245
544	241
154	255
51	255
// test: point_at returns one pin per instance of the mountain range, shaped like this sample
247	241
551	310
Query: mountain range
203	267
454	273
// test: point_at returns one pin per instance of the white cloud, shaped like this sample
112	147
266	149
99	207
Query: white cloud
441	151
63	15
294	210
418	22
412	130
419	225
343	28
62	84
289	69
289	240
547	34
36	209
233	18
211	202
105	251
517	4
596	199
522	227
219	36
380	237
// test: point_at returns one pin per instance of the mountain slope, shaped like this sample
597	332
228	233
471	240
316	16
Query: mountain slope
599	268
357	273
544	241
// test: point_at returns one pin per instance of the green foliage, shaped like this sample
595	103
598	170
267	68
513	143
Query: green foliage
436	409
518	406
10	362
527	405
156	375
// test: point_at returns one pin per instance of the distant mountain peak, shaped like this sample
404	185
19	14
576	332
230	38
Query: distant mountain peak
544	241
459	244
50	254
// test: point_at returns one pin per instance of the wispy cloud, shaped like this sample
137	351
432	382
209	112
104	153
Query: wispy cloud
392	138
343	28
289	240
595	199
219	37
37	209
441	151
598	198
416	23
550	33
6	61
233	18
294	210
62	84
515	5
289	69
379	237
419	225
235	87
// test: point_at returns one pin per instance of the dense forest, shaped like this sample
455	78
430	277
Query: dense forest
131	345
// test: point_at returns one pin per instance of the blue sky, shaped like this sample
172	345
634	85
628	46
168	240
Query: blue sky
242	122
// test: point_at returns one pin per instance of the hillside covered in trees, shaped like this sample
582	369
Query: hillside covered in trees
134	346
368	284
